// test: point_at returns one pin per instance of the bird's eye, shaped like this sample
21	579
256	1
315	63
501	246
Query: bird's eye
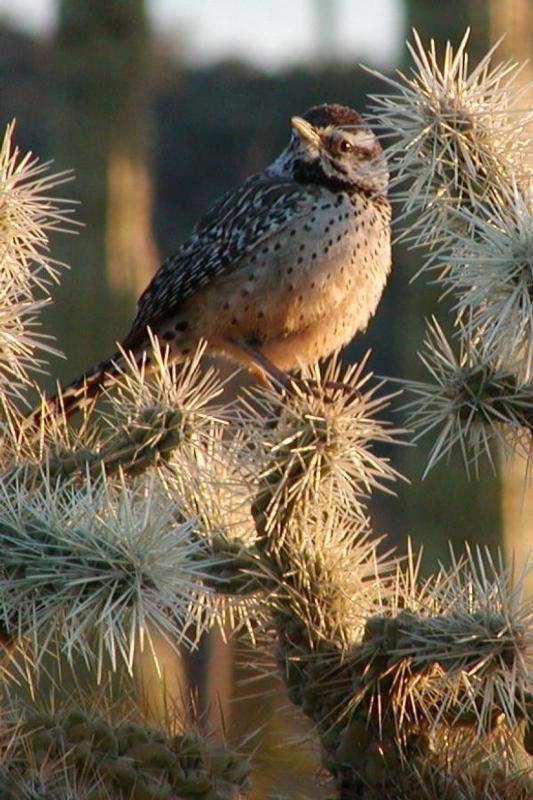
344	146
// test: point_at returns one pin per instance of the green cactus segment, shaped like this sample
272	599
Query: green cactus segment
124	760
413	690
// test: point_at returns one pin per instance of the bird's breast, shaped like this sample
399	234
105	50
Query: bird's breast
309	287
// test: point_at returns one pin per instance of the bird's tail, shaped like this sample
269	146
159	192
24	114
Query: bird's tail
88	387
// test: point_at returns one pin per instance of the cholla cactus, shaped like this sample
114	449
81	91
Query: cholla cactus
472	402
27	213
170	511
99	748
411	685
465	152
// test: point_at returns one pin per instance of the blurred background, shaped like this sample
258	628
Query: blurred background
159	106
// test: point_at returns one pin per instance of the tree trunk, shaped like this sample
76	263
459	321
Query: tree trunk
100	128
514	20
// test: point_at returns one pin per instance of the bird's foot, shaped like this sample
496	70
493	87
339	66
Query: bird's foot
289	384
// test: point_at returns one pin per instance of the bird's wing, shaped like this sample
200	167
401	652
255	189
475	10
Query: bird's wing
237	224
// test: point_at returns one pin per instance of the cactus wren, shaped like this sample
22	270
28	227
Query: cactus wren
282	270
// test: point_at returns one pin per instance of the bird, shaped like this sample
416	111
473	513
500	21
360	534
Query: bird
281	271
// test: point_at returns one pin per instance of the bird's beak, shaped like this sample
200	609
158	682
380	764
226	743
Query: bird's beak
305	131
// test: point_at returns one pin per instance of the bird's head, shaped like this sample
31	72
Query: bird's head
332	145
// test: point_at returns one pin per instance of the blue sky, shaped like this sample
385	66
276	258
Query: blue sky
270	33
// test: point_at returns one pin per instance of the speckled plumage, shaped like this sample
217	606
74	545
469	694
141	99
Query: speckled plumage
290	265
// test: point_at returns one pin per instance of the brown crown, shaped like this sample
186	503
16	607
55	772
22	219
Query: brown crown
333	114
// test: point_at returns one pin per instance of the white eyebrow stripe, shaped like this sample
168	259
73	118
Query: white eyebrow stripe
363	139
